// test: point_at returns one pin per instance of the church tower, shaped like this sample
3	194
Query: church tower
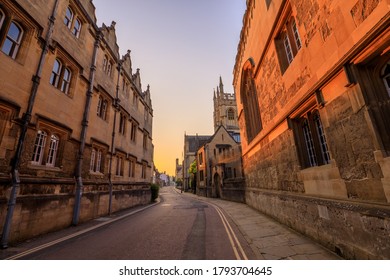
225	110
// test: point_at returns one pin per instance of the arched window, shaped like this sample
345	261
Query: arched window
250	102
55	73
77	28
66	81
386	77
68	17
12	42
230	114
39	147
53	148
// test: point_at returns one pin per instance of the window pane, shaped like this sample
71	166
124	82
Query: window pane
12	41
296	35
55	74
39	146
309	143
66	81
99	161
68	18
287	48
322	138
52	155
76	28
92	162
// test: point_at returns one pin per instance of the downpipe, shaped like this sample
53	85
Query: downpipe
79	166
15	179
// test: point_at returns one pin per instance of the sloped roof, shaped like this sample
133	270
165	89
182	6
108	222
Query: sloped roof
196	141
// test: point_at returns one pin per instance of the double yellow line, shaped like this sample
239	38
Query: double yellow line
235	243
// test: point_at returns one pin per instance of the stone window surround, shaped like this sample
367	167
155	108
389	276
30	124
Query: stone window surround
50	130
72	21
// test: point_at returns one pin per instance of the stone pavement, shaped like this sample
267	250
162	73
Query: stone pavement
269	239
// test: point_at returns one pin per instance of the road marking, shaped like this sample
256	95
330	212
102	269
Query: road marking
235	243
44	246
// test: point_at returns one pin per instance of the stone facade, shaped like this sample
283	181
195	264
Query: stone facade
75	125
191	145
219	168
313	95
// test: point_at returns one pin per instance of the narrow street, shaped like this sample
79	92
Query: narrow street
179	227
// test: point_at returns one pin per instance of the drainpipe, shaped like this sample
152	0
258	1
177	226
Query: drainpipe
15	180
116	109
83	136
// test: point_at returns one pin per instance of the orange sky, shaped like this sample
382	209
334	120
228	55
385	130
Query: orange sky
181	47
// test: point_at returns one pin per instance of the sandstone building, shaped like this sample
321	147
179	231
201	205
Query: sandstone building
312	79
219	163
75	125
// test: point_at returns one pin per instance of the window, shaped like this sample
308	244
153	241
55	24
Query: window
45	153
386	77
143	172
133	133
109	68
132	162
60	73
55	73
119	166
96	162
66	81
122	123
68	17
13	39
230	114
105	62
312	146
72	22
40	142
250	103
77	28
102	108
288	43
145	141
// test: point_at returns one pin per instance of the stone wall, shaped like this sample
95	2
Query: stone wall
353	230
47	207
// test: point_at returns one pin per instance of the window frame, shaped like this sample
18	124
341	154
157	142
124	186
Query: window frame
69	21
48	146
250	102
288	42
61	81
15	43
311	141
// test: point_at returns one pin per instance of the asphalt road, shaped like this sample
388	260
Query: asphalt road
178	228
